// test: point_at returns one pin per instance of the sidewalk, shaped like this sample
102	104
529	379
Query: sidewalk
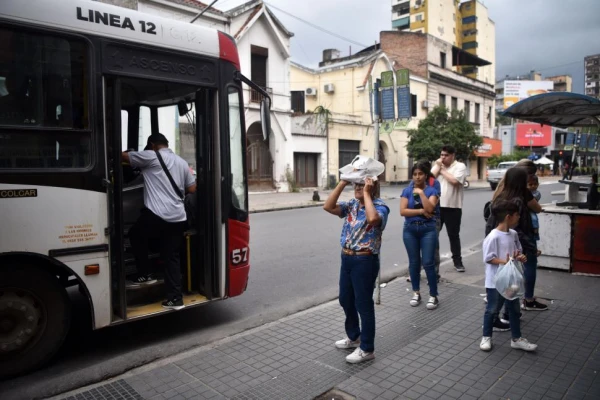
272	201
420	354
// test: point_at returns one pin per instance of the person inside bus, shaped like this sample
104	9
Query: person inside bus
163	216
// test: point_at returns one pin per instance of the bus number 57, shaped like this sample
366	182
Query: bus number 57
239	256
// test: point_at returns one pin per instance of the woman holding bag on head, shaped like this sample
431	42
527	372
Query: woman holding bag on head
418	207
365	218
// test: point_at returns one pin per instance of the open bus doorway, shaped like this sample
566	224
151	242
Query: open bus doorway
139	108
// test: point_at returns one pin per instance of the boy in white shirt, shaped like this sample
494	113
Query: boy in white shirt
497	248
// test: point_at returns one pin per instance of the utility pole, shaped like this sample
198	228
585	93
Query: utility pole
377	108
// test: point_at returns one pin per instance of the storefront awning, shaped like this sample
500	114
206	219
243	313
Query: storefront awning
559	109
463	57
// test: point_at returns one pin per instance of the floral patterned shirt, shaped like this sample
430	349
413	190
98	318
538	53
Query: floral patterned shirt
357	233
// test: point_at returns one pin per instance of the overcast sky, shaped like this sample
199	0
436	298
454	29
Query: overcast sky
550	36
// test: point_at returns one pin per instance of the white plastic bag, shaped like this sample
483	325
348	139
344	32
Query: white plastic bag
509	280
360	168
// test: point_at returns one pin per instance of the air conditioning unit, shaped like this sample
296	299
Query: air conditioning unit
425	104
311	91
329	88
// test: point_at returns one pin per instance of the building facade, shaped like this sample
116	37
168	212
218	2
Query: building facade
340	86
592	75
428	56
466	25
562	83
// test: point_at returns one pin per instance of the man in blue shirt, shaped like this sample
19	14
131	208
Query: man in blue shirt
365	218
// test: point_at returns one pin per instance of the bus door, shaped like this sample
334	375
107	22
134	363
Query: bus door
137	108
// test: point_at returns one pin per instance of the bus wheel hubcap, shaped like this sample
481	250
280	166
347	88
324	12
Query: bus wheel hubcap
19	320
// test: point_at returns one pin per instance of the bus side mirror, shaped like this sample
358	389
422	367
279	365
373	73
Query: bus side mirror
265	116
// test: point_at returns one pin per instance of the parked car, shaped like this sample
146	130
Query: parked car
495	175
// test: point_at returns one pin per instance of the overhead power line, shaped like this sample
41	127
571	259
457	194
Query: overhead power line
317	26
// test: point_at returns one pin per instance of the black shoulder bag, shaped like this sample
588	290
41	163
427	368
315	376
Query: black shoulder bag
164	167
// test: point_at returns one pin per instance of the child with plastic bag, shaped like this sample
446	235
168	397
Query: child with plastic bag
499	246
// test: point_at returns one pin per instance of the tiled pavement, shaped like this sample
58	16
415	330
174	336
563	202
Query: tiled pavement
420	354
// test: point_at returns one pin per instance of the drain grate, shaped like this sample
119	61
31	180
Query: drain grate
335	394
118	390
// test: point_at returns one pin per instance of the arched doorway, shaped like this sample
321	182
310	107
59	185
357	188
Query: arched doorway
382	158
258	159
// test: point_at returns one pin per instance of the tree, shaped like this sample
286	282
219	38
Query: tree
441	128
502	120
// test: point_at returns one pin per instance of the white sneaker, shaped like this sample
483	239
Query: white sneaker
416	300
485	299
347	343
486	343
504	321
522	344
359	355
432	303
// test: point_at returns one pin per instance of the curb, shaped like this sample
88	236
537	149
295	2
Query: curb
308	205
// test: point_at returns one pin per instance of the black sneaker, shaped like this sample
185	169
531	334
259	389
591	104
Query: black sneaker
459	268
500	326
175	304
140	280
534	306
505	317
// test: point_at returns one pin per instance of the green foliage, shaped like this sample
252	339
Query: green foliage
289	176
502	120
441	128
323	114
517	155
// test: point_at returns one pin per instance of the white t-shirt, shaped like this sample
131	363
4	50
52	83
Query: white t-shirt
497	245
159	195
452	195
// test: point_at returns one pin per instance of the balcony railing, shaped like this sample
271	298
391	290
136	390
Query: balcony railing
256	97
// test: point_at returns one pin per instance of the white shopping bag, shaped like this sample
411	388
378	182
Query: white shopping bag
509	280
360	168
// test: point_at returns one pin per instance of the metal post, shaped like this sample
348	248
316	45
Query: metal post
376	156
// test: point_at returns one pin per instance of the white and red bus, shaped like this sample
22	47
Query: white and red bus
80	82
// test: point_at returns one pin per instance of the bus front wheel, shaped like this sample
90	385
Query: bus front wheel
35	314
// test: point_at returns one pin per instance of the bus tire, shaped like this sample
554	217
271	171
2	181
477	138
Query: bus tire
35	315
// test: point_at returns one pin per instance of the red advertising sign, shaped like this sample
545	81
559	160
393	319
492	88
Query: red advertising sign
534	135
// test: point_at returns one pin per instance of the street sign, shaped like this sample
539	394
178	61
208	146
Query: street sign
387	104
387	79
403	77
403	93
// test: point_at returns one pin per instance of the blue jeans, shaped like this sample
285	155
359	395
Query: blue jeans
529	274
357	281
495	301
420	242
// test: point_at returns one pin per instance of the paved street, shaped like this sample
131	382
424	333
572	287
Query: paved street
294	266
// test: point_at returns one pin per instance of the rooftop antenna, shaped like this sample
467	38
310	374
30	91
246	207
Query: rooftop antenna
202	12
